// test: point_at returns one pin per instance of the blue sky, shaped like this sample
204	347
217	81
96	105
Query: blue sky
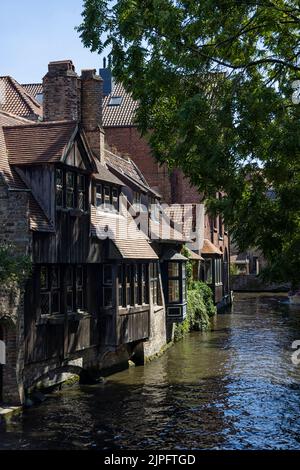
34	32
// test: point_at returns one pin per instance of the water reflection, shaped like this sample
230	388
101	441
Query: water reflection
232	388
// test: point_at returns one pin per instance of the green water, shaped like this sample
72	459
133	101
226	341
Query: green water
232	388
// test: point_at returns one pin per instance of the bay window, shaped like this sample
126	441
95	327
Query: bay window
70	189
173	282
133	285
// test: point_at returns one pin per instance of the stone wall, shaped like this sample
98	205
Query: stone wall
158	338
15	231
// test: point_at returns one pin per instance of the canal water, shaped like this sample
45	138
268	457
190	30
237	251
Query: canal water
235	387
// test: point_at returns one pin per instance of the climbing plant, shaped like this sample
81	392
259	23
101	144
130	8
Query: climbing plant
14	267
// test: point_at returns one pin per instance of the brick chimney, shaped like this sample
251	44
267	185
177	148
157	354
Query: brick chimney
91	111
61	88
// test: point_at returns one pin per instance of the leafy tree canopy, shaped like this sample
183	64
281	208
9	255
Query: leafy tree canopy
214	81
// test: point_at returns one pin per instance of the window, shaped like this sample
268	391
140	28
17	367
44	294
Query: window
39	97
98	195
59	188
218	271
107	285
220	226
155	210
137	200
115	101
81	200
154	285
70	190
115	198
143	284
184	296
208	271
50	289
173	282
106	197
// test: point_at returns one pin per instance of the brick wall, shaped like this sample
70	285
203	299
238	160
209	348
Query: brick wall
127	140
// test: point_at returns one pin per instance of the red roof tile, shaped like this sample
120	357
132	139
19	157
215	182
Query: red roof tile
33	89
16	100
37	218
209	248
38	143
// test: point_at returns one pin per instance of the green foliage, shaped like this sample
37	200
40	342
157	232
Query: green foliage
234	270
214	83
14	268
189	266
200	308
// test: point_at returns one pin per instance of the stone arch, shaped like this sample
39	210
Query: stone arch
53	376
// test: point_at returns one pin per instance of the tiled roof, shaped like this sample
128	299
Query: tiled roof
128	240
113	116
33	88
16	100
209	248
164	230
38	143
104	174
121	115
126	167
10	175
193	255
37	218
184	216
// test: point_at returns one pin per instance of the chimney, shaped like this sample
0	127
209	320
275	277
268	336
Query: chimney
61	87
106	75
91	111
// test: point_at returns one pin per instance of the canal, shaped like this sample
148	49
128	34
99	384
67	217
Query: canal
232	388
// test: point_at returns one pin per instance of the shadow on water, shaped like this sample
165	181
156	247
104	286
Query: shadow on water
234	387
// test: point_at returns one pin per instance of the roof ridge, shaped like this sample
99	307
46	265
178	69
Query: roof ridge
15	116
24	95
42	123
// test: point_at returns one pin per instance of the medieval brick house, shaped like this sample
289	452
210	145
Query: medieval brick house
121	132
97	294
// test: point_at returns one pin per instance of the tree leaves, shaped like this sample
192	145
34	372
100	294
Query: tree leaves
213	79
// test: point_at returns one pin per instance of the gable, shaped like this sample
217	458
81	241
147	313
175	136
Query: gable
78	155
75	158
